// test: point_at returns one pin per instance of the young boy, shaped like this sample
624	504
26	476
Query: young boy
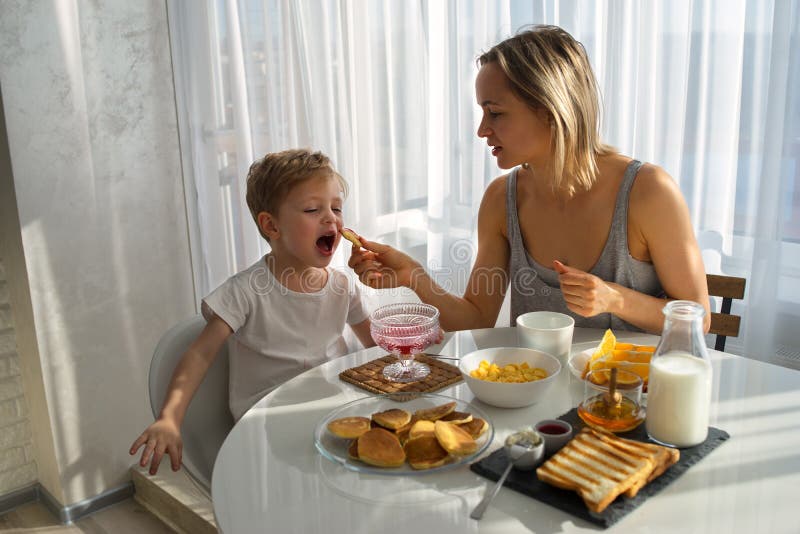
286	313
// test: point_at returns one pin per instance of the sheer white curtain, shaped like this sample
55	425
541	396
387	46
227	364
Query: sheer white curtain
708	90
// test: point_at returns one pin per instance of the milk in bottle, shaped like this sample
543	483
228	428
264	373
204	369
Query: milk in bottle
678	399
679	387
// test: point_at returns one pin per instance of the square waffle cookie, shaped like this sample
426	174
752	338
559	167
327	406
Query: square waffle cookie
369	376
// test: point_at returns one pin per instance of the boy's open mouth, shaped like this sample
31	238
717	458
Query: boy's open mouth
325	243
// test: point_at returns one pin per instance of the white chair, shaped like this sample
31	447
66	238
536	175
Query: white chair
208	419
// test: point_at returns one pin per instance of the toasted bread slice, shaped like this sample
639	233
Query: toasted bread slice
663	458
597	468
672	457
425	452
656	453
349	427
476	427
454	439
381	448
435	413
392	419
457	418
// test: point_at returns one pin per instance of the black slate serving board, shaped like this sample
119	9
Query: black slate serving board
526	482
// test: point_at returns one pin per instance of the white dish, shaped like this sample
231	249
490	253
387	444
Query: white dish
509	395
335	448
577	362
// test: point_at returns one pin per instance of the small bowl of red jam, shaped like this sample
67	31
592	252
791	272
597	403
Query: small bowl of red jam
555	432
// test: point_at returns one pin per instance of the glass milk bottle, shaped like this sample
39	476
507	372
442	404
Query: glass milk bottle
679	388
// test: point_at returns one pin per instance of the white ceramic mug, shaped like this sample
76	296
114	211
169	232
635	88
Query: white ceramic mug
547	331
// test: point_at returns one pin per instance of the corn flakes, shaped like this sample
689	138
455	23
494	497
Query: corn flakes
509	373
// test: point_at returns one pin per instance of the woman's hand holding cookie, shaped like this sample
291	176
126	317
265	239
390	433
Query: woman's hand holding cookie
381	266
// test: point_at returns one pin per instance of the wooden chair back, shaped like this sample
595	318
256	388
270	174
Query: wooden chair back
725	324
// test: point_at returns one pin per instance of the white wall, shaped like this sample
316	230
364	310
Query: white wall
26	348
90	114
17	464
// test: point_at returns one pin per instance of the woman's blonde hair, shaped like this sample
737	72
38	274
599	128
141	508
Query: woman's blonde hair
550	70
271	178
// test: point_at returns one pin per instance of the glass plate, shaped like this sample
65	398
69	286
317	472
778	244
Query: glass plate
335	448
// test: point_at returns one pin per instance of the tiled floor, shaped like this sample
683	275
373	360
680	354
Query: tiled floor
127	517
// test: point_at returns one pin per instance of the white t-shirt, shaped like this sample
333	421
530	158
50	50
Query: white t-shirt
279	333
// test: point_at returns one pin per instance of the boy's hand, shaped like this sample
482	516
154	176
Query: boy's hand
381	266
160	437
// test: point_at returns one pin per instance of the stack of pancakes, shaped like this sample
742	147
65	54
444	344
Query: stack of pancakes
427	438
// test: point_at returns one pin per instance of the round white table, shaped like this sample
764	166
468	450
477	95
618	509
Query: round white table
269	477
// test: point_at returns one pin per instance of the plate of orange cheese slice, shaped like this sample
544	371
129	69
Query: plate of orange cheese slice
610	353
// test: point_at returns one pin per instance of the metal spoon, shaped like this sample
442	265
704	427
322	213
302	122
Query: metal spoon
524	449
440	357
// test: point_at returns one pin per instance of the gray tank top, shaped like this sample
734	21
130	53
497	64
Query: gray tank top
535	287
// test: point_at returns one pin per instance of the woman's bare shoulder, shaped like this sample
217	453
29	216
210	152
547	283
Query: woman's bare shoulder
497	187
495	195
493	205
654	187
656	201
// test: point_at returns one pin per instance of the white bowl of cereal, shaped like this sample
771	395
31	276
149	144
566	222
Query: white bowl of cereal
509	377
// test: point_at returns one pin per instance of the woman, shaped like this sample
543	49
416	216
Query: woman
575	227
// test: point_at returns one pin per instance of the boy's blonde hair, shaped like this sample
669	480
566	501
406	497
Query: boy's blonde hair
550	70
271	178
